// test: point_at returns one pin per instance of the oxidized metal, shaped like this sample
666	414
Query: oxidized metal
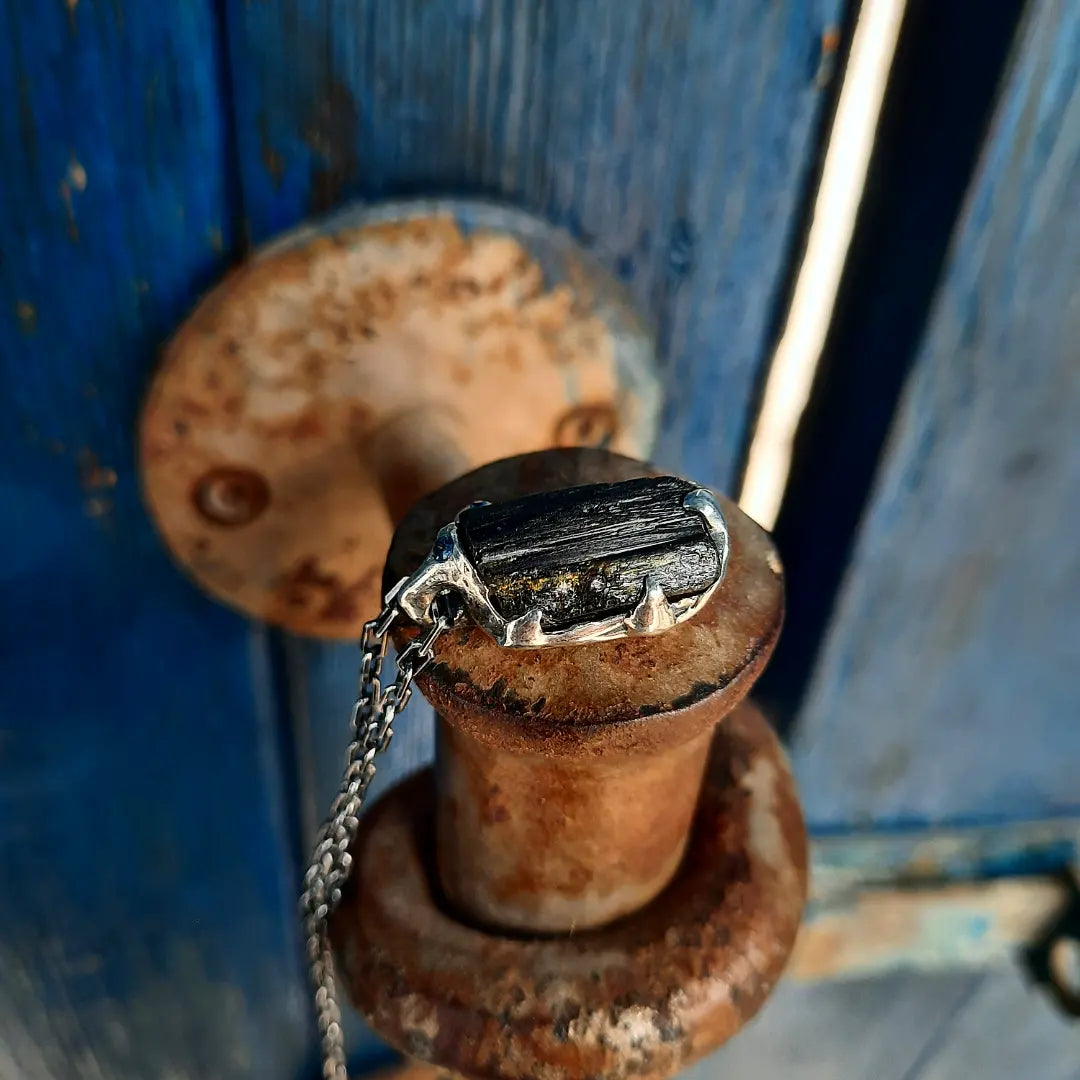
567	778
595	562
643	997
568	798
359	363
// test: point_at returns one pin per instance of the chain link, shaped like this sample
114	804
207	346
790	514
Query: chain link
372	728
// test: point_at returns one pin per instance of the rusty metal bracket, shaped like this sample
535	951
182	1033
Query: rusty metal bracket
356	364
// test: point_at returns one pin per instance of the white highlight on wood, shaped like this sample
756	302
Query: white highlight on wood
843	178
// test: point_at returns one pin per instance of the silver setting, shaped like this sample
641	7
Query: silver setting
448	569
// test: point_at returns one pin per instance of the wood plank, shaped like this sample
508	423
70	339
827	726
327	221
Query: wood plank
1006	1030
674	138
147	915
947	685
951	928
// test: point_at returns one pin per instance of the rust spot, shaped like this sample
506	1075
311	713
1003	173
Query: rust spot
461	287
97	508
587	425
26	313
341	600
69	211
305	426
314	366
493	810
329	131
271	159
77	175
512	356
193	408
827	56
640	997
93	476
231	496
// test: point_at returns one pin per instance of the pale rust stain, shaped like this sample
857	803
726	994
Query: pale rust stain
26	313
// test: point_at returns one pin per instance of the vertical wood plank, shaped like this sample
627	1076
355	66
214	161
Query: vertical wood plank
674	139
146	918
947	687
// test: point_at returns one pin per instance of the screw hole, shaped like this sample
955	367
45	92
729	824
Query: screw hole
231	496
587	425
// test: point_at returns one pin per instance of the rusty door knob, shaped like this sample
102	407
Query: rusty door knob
604	872
355	365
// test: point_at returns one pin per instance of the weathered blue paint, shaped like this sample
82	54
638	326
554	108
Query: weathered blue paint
846	860
147	927
147	910
673	138
940	97
948	684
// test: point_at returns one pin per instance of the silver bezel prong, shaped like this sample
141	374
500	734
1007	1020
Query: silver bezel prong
448	568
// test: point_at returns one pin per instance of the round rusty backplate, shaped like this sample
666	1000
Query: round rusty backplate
357	364
590	699
642	997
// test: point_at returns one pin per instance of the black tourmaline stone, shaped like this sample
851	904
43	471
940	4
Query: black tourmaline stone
583	553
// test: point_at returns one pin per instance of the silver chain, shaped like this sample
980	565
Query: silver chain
372	719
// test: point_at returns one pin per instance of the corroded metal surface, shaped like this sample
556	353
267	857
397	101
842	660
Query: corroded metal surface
587	699
550	844
642	997
567	777
353	367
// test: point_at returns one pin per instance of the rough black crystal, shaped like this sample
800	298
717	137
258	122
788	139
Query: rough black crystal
583	553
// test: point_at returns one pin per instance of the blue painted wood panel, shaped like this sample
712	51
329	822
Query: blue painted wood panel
948	686
676	140
147	858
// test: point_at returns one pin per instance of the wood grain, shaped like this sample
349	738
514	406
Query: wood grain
675	140
947	688
146	913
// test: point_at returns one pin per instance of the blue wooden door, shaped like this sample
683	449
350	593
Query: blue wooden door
161	759
150	801
146	846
